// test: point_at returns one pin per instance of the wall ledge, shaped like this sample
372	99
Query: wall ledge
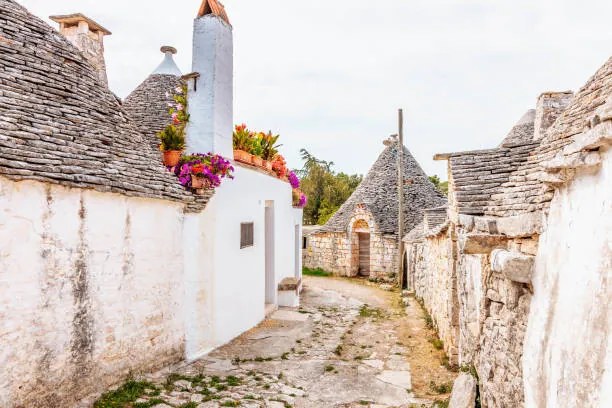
514	266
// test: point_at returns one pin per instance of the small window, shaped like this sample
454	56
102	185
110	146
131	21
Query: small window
304	242
246	235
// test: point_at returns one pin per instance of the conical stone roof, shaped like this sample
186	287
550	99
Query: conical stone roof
522	131
147	105
60	124
378	191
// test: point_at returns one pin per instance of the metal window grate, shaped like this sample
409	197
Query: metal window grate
246	235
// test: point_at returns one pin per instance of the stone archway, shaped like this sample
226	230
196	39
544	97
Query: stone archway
360	243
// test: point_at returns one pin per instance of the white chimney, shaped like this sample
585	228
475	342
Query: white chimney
210	85
87	36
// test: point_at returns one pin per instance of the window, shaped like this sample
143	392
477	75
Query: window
304	242
246	235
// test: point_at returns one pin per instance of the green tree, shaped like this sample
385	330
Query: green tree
440	185
326	189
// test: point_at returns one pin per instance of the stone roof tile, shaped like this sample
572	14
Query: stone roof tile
378	192
60	124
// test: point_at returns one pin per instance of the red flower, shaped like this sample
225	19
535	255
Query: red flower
197	169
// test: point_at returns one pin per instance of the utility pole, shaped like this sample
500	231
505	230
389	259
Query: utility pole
400	203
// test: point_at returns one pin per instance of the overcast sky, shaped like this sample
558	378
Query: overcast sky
329	75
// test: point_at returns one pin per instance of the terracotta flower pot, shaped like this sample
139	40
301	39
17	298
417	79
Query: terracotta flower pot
172	157
242	156
199	184
257	161
267	165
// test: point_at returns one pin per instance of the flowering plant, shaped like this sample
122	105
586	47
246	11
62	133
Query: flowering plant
178	109
299	199
269	147
294	180
212	167
172	137
243	138
279	165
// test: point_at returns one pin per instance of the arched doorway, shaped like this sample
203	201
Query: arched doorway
361	248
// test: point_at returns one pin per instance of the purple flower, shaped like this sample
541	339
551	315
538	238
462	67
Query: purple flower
294	180
303	200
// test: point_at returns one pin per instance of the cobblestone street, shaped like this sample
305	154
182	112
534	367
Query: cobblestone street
342	348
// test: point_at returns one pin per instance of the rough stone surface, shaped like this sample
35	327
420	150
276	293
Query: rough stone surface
334	358
464	392
513	265
502	223
372	209
147	105
60	124
378	192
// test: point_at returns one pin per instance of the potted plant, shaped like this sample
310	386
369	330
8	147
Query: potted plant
279	165
269	148
172	144
257	150
203	171
243	144
199	182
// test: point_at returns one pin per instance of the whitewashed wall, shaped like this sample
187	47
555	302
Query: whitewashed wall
91	289
231	280
568	348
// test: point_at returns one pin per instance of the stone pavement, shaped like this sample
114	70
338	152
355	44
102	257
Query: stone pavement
335	351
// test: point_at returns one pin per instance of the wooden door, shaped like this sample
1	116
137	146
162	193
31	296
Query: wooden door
364	254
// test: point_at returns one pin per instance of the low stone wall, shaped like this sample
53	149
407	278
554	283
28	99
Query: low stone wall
335	253
433	279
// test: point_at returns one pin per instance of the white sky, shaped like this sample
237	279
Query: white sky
329	75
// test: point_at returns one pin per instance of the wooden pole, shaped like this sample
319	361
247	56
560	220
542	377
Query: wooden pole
400	187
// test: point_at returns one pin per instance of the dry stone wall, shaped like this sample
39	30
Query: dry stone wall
471	278
336	253
434	281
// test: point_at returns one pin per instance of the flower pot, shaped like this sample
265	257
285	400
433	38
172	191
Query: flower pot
267	165
199	184
172	157
242	156
257	161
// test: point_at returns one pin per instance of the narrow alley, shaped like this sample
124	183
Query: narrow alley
348	345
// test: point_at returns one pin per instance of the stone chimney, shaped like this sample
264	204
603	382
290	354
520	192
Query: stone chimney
548	108
87	36
211	83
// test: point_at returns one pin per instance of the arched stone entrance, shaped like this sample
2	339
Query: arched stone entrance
360	248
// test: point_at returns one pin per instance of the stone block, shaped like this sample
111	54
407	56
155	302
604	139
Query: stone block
521	225
513	265
464	392
481	243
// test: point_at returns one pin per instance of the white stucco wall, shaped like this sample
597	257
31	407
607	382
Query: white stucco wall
91	289
568	348
211	96
237	276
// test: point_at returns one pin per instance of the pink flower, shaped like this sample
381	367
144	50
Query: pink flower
179	90
180	107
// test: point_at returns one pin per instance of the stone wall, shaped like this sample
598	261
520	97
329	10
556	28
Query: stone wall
92	290
473	281
335	252
432	276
